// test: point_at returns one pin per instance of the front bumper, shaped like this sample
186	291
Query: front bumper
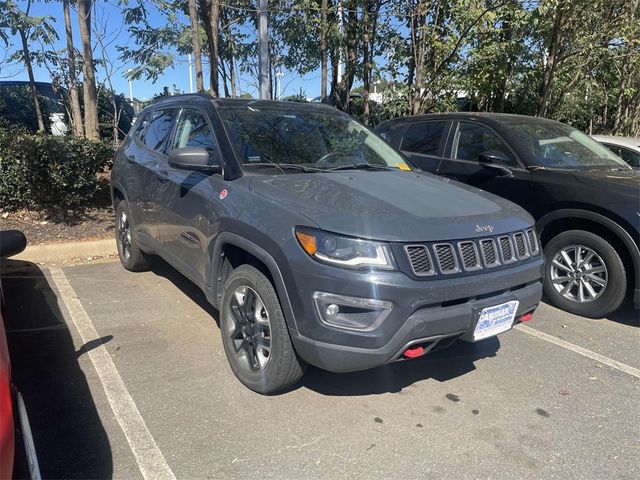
425	312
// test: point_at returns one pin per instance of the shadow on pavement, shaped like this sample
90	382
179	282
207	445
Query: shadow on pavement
69	437
186	286
626	315
443	365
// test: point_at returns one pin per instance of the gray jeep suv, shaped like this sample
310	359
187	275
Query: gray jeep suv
314	238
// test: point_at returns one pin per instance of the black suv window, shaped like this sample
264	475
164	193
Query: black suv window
472	140
193	131
629	156
423	137
156	135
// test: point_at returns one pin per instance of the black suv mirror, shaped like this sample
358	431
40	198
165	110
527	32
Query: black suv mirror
193	158
494	156
12	242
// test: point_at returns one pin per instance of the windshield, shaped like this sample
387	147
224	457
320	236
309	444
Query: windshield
554	145
305	140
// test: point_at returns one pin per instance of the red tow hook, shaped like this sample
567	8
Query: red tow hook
414	352
526	317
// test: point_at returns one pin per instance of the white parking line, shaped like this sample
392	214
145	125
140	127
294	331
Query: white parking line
623	367
150	460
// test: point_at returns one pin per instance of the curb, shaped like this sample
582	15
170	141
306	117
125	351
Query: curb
60	252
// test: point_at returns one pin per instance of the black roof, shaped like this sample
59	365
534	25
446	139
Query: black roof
488	117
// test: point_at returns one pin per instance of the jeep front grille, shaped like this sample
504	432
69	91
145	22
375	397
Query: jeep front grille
447	260
420	260
470	255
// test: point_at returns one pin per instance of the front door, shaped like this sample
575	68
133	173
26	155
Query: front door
504	175
190	199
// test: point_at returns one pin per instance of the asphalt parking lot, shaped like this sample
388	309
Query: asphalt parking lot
124	376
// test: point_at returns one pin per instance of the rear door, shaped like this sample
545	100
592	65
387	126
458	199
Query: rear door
423	143
143	153
507	177
190	200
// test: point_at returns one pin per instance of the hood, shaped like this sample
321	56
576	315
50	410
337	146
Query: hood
617	182
393	206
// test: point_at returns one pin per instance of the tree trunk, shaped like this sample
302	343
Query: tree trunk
419	37
76	112
195	43
552	62
89	92
32	82
323	48
341	94
214	19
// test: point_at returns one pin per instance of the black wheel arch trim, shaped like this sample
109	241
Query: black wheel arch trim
615	228
265	257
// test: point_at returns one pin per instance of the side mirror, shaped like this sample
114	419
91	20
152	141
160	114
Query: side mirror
193	158
494	156
12	242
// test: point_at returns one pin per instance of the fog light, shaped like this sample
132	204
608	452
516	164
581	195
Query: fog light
351	313
332	310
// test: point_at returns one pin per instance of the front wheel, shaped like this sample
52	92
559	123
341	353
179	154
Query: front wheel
255	335
584	274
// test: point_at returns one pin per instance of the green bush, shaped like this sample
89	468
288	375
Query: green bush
45	171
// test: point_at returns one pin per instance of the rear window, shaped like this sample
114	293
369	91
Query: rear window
423	137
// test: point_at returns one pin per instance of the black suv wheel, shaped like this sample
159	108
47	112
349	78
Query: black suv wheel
254	333
584	274
131	257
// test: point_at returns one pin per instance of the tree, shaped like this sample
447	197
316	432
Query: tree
195	41
75	112
89	90
29	29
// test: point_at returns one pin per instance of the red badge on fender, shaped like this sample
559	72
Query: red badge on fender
223	194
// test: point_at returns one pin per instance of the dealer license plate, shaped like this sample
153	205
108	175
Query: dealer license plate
495	320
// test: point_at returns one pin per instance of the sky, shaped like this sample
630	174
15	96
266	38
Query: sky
110	12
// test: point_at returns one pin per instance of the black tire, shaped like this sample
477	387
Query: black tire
609	297
131	257
283	367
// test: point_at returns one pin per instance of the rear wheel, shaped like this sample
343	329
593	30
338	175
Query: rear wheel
255	335
131	257
584	274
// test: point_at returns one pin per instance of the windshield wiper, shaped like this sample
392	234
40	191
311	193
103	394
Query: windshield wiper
360	166
284	166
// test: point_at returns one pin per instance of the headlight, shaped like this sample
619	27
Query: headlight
344	251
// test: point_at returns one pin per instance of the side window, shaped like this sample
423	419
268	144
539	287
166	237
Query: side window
156	135
472	140
193	131
423	137
629	156
144	120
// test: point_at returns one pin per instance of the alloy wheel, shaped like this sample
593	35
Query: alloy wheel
249	329
578	273
124	235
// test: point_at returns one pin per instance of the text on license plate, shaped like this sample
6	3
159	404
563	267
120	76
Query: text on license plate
495	320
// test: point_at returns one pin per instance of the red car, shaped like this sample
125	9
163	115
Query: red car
13	416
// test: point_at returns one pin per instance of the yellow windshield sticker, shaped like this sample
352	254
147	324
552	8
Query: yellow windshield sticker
403	166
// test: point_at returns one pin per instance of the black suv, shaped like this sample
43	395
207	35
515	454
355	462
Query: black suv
585	199
316	240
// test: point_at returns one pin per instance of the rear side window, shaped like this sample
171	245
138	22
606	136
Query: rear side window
629	156
423	137
156	135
